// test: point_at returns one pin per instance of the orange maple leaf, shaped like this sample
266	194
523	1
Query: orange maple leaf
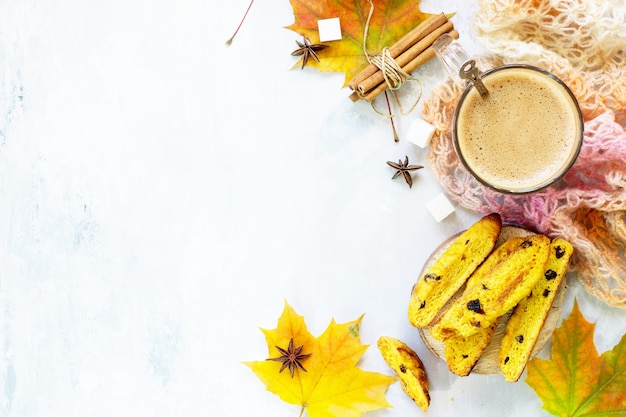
577	381
390	20
331	384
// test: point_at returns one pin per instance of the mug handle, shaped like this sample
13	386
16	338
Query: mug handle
451	55
457	62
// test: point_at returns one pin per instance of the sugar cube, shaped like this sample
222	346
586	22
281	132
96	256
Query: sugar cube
329	29
440	207
421	132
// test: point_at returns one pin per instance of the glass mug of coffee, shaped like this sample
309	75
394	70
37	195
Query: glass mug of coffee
516	128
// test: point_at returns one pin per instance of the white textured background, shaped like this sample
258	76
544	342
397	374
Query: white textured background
162	194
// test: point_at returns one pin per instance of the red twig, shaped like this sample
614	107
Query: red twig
393	125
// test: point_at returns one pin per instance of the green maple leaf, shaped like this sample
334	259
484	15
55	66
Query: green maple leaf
577	381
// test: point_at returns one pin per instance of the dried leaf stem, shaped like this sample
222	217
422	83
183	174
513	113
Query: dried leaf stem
228	42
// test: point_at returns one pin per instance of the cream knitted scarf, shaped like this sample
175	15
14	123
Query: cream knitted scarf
583	42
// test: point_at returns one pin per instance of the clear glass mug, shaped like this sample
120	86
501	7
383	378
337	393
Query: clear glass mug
516	128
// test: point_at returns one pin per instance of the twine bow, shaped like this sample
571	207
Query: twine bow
393	74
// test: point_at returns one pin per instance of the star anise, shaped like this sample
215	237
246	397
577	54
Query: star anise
291	358
403	168
307	50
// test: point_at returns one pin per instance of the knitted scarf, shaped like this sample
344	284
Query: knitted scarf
583	42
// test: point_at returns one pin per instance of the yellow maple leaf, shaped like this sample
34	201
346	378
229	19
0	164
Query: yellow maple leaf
390	20
331	384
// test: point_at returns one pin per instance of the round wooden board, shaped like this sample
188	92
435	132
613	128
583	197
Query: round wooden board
488	363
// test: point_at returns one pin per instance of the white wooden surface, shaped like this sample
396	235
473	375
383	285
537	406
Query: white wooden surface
163	194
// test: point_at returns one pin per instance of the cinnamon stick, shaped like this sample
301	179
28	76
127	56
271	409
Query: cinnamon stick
416	62
416	34
406	57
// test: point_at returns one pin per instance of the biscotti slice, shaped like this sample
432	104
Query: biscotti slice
409	368
501	254
449	272
522	330
501	289
462	353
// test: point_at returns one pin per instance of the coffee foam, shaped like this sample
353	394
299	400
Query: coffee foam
523	133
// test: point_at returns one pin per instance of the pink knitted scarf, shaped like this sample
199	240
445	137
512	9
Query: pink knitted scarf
588	206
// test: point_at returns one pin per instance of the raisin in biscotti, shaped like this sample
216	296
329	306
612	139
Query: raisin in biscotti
409	368
462	353
522	329
450	271
501	289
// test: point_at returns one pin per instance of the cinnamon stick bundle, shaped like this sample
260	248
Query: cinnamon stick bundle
404	43
410	52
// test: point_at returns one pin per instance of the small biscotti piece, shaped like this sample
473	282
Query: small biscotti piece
450	271
462	353
522	329
409	368
502	288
